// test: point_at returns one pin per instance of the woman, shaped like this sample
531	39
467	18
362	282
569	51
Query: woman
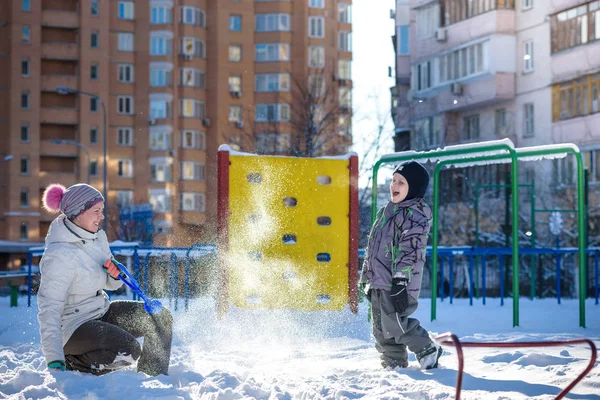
80	329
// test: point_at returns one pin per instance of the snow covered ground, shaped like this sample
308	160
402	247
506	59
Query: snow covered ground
298	355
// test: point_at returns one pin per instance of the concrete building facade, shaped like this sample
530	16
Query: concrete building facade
479	70
176	79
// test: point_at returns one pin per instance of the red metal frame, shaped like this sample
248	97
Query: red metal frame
223	229
450	339
353	226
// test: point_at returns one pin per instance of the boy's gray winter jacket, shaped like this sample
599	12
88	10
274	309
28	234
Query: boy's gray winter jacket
397	245
72	283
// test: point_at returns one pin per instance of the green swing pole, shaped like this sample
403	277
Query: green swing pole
515	230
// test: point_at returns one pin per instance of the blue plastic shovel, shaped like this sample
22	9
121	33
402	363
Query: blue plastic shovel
152	306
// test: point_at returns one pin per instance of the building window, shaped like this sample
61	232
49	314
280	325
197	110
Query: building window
161	169
403	40
125	137
316	56
124	198
160	46
500	123
94	72
24	198
125	41
160	15
25	100
93	135
192	171
160	140
528	56
125	73
25	5
529	120
191	108
191	201
428	132
272	142
192	77
235	53
272	22
272	52
272	82
160	109
471	127
235	23
94	8
316	86
25	132
93	104
235	113
344	41
95	40
272	112
25	67
93	167
125	105
126	10
345	97
161	201
345	13
235	84
193	140
160	77
24	165
316	27
576	97
125	168
24	231
192	47
428	20
527	4
193	16
26	34
345	69
316	3
575	26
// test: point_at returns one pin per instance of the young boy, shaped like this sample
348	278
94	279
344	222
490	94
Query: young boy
393	270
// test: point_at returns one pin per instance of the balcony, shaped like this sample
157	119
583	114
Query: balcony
60	51
574	62
576	130
61	116
59	18
65	178
51	82
480	93
493	22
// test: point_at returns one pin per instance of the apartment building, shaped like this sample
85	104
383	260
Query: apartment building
476	70
150	91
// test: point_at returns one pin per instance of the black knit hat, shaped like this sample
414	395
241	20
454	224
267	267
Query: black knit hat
417	177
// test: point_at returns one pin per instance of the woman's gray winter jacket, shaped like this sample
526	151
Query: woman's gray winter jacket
397	245
72	283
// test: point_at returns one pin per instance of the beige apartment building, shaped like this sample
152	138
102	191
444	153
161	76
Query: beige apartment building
476	70
176	79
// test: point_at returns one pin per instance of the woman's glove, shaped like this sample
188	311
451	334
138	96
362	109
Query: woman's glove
58	365
399	294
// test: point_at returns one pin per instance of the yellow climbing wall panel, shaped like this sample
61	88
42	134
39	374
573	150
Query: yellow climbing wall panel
277	252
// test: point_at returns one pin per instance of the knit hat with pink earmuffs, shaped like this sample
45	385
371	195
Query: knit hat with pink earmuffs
72	201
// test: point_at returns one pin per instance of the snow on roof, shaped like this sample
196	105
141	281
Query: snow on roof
432	155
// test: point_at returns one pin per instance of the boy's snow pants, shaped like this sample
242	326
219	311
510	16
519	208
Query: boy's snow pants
394	332
109	343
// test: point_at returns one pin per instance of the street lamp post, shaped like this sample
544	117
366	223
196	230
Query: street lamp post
78	144
64	90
